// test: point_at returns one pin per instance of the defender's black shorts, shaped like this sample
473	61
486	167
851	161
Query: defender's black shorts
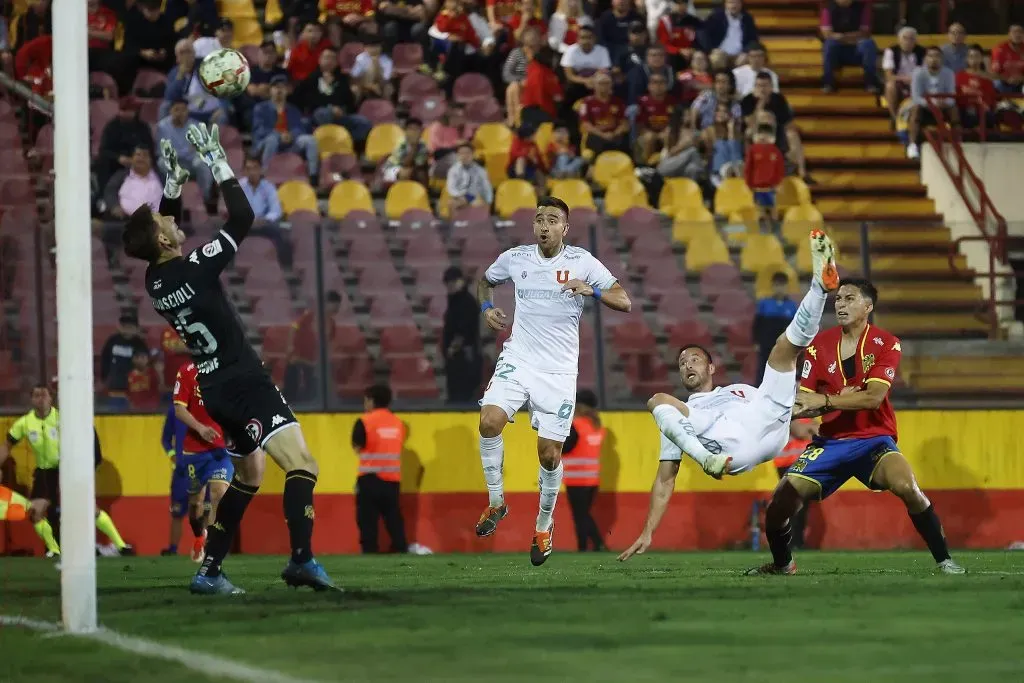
46	485
250	409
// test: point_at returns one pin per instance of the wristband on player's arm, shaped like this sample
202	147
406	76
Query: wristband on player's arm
486	305
597	293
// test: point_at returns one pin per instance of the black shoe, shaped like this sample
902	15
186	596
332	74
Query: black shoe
168	552
127	551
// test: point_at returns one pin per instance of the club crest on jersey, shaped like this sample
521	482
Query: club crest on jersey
813	352
212	249
561	276
524	274
868	362
255	430
890	373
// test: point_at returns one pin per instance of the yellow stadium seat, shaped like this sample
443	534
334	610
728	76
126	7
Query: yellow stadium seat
574	192
624	193
236	9
496	164
691	223
679	193
544	135
792	192
731	195
741	223
612	166
247	32
443	210
803	257
383	140
763	281
491	138
346	196
759	251
297	195
272	13
405	195
333	139
701	253
798	222
513	195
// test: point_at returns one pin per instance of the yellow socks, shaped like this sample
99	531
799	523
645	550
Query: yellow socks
45	532
106	525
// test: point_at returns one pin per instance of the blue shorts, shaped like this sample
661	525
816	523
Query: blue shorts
765	198
192	472
829	463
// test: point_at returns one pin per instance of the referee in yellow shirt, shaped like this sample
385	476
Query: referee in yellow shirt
40	427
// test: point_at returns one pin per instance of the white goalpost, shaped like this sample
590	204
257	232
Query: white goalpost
74	315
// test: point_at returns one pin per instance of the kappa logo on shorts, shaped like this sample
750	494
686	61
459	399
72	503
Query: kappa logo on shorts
277	421
212	249
255	430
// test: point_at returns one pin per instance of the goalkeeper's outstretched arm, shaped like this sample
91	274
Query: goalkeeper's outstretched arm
240	214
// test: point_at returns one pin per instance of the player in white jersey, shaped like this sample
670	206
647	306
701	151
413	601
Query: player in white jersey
731	430
540	361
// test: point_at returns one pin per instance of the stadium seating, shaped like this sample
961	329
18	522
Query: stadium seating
470	87
492	138
378	110
625	192
513	195
405	195
761	251
792	192
382	141
799	221
286	166
348	196
406	58
678	194
575	193
731	195
333	139
296	195
611	166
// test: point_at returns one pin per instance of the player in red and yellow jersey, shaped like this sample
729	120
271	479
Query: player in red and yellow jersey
847	373
175	355
203	461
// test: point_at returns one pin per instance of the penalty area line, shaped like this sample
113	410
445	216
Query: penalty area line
213	666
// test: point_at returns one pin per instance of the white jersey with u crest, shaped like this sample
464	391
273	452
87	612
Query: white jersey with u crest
546	325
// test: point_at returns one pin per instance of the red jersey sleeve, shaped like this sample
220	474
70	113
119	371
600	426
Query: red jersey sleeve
184	387
809	368
887	361
665	35
778	168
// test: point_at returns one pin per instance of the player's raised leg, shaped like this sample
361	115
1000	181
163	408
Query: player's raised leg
493	419
288	449
549	480
894	474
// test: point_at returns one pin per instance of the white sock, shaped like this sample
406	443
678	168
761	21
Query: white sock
550	481
492	457
679	430
805	323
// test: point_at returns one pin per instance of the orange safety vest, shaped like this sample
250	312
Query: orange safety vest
791	452
582	465
382	454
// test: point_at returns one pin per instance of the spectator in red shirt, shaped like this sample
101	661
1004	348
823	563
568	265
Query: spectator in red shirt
459	46
303	351
346	17
695	80
1008	61
33	64
305	56
542	91
143	385
764	168
972	84
101	27
677	31
603	118
525	160
528	16
499	17
654	113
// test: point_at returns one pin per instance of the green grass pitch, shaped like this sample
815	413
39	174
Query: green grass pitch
864	617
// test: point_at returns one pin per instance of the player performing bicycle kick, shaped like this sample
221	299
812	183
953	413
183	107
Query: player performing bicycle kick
540	360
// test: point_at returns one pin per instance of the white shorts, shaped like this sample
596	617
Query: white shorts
754	432
551	396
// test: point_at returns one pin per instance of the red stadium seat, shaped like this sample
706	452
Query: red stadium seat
378	110
357	222
472	214
381	279
470	87
16	192
678	307
400	339
347	55
737	308
348	339
192	202
338	167
10	134
149	111
352	375
12	162
486	110
638	220
106	82
101	112
366	249
692	331
417	86
407	57
390	310
718	279
646	374
425	246
414	220
6	110
428	109
229	136
286	166
149	83
413	377
651	247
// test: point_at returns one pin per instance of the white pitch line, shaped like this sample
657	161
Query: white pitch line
215	667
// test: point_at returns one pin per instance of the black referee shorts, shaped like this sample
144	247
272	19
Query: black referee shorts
250	409
46	485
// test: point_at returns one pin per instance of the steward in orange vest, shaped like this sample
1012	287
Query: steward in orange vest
801	432
581	462
378	437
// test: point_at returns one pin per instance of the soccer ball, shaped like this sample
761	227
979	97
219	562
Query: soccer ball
225	73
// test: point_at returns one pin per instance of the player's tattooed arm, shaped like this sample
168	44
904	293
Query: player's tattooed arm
661	493
870	397
494	317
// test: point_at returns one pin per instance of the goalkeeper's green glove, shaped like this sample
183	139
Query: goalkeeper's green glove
176	175
207	144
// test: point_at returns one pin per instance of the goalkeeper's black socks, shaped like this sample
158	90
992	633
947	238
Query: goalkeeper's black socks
779	541
298	513
221	533
928	525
